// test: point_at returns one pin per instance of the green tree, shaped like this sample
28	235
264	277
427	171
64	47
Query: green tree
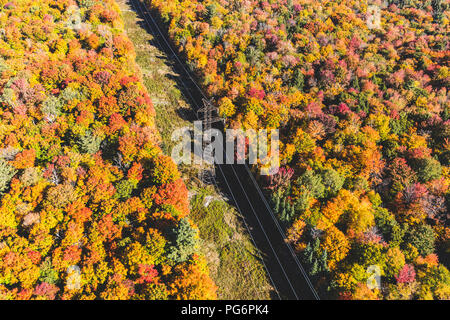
313	183
332	182
422	237
89	143
315	268
298	79
276	201
323	261
211	11
308	253
184	241
124	189
428	169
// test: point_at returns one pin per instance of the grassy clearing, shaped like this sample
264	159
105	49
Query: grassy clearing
235	266
157	77
231	256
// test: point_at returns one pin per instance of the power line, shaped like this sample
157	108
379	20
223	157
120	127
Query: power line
251	175
283	234
248	230
265	234
215	183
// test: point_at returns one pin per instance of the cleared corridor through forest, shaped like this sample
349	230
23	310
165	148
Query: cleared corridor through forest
286	272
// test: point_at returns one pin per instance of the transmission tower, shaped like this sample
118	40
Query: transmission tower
209	115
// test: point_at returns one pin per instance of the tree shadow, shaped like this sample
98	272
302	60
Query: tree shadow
150	21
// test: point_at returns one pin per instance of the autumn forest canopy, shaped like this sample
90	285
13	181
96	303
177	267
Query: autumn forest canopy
91	208
364	121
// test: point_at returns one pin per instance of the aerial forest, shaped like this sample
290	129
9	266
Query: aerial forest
364	117
90	206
